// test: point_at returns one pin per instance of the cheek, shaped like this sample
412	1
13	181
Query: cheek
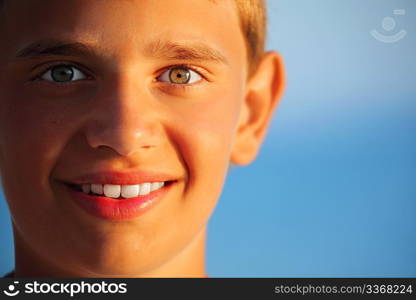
208	128
30	135
32	132
203	134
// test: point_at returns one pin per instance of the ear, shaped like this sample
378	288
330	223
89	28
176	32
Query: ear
263	92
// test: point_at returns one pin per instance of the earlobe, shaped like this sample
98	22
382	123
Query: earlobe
263	92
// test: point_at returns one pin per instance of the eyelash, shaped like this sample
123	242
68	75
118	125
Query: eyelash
50	66
184	86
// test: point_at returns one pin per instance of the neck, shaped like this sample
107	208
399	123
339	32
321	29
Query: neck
190	262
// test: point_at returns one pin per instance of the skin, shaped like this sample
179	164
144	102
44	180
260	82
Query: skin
121	118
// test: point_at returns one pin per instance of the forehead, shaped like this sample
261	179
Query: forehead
126	26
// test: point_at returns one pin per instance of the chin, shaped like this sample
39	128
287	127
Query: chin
115	266
120	260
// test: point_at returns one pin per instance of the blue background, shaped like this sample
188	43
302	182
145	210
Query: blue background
332	193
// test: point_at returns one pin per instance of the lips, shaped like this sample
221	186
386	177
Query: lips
118	209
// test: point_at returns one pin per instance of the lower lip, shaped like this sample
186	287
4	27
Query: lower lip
113	209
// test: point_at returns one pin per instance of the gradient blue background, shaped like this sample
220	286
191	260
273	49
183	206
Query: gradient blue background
332	193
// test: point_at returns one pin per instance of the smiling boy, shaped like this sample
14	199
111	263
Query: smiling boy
118	122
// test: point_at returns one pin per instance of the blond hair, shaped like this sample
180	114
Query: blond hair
253	23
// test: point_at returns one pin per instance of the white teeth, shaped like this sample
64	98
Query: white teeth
130	191
86	188
112	190
154	186
125	191
97	188
144	188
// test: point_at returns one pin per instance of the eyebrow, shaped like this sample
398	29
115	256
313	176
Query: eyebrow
46	48
193	51
196	51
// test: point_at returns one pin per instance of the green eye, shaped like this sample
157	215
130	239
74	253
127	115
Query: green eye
180	75
63	74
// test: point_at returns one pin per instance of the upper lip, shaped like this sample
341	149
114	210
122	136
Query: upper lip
121	178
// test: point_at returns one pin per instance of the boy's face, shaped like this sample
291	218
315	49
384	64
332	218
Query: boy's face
120	111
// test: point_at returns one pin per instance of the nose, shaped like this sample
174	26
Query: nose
123	117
